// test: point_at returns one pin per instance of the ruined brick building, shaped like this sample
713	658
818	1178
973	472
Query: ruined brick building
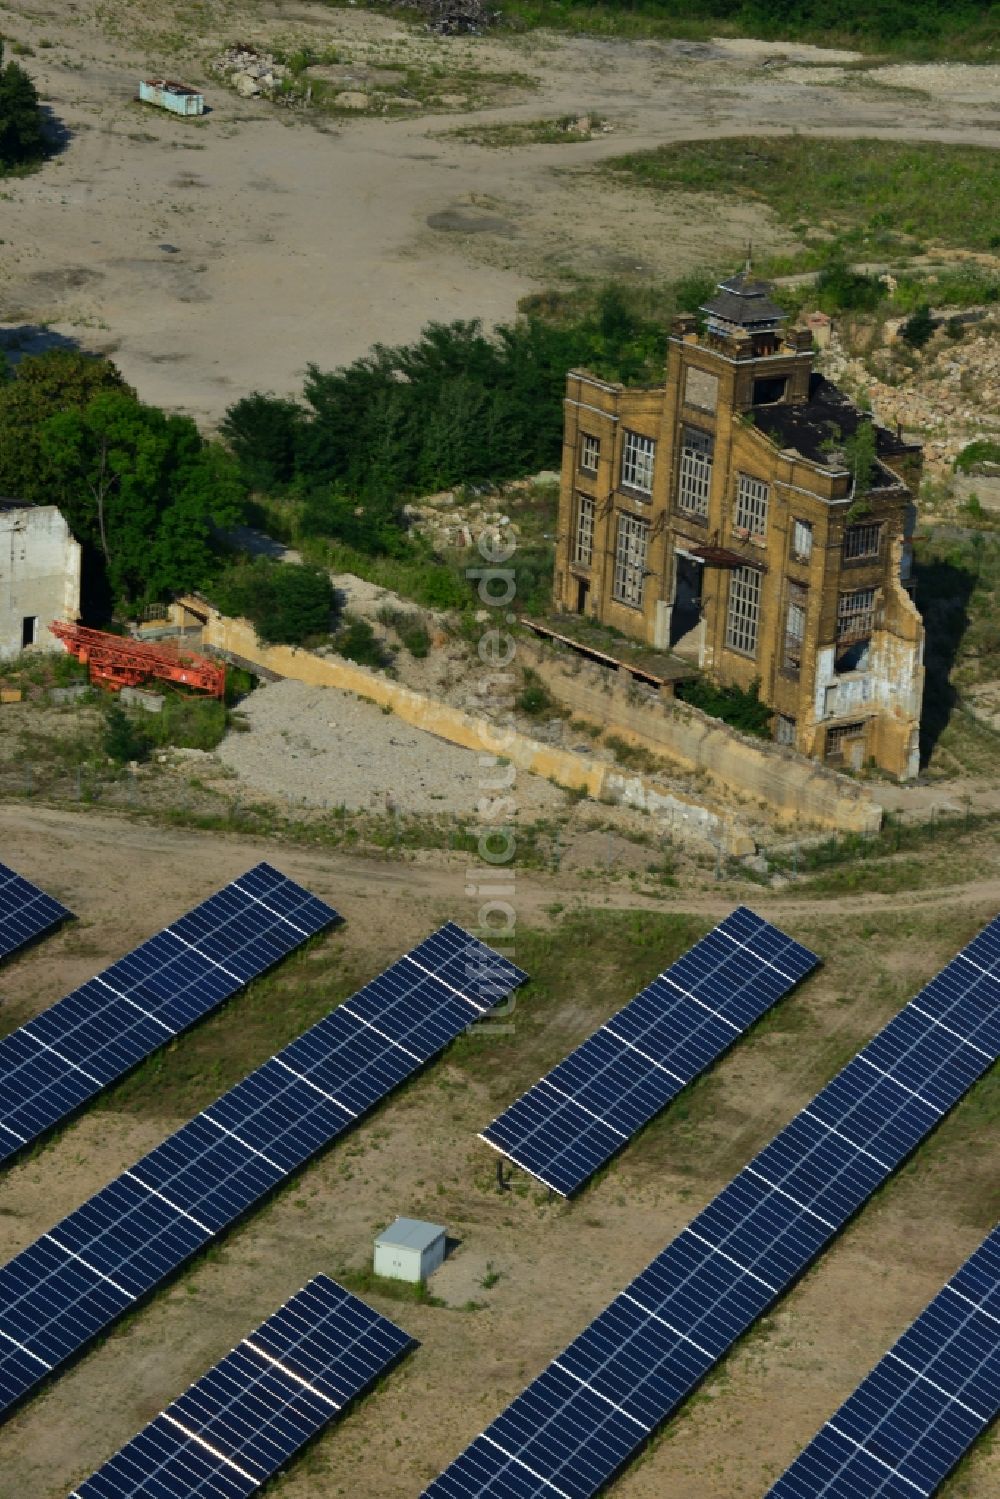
731	514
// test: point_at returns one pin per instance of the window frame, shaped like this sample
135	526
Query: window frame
638	458
743	611
859	531
629	580
856	609
798	524
583	534
750	511
589	443
694	471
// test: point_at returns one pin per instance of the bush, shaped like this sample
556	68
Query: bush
411	629
357	641
974	453
534	699
741	710
22	141
287	604
919	328
124	739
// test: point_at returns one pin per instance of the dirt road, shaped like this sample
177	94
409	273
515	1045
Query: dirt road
293	241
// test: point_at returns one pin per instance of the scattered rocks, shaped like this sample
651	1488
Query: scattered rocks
350	99
249	72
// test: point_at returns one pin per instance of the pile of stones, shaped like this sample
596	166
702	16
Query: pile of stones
248	71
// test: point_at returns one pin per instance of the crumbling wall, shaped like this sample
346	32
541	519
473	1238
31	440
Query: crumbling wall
792	789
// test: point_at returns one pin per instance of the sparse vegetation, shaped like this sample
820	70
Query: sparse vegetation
880	196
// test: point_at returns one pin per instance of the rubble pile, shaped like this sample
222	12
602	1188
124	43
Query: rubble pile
951	398
248	71
445	522
454	17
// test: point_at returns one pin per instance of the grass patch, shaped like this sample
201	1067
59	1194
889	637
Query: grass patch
880	195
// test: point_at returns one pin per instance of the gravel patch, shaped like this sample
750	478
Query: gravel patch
326	748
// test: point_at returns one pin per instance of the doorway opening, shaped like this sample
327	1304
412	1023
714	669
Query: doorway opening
686	612
29	630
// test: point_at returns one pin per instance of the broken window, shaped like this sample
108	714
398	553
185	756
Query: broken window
630	560
862	541
784	729
590	451
855	615
802	540
841	738
637	462
751	506
695	478
743	613
584	550
795	625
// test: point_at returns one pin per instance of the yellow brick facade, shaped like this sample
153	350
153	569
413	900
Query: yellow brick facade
689	517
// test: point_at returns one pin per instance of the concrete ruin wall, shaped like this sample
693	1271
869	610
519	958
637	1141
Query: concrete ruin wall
686	817
793	789
39	576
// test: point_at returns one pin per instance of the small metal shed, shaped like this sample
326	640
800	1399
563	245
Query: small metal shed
168	94
409	1249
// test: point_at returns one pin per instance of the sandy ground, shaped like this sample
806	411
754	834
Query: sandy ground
418	1155
328	748
296	241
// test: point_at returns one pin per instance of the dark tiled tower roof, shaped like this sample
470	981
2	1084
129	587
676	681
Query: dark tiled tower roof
743	303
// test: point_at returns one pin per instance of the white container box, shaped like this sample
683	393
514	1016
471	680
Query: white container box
409	1250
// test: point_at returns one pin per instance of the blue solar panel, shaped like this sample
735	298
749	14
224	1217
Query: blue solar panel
921	1407
75	1281
576	1117
25	911
69	1052
595	1405
243	1420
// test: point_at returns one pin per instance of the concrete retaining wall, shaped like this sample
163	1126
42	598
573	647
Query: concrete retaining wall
793	789
686	817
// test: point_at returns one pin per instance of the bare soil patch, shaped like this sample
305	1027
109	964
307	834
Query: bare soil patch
306	238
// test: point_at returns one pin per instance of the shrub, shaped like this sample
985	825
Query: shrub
124	739
919	328
287	604
534	697
974	453
740	709
22	141
411	629
357	641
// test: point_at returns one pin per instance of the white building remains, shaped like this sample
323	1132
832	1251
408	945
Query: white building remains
39	576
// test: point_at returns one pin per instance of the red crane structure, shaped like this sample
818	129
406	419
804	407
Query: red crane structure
119	661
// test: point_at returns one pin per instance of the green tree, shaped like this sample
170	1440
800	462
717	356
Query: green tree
40	386
143	490
860	458
262	432
22	139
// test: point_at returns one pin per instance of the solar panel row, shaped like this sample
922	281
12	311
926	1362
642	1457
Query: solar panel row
921	1407
576	1117
25	911
76	1280
69	1052
238	1424
570	1431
